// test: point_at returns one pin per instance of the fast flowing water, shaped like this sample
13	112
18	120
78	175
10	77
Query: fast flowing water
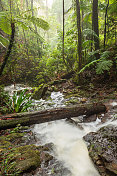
69	146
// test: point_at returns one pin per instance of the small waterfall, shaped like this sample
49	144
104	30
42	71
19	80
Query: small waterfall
69	146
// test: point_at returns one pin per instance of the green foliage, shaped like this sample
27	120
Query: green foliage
21	102
103	65
89	32
5	101
37	21
5	25
8	164
3	41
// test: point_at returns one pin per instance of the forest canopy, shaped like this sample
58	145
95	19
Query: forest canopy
41	40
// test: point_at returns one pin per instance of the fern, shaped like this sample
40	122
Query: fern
89	32
88	65
37	21
105	55
103	65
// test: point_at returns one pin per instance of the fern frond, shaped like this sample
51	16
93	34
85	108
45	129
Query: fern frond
93	53
103	65
105	55
88	65
89	32
37	21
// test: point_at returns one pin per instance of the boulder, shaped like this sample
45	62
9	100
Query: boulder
102	146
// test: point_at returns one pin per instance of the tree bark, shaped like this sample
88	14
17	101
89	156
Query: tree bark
63	49
105	24
79	47
95	23
29	118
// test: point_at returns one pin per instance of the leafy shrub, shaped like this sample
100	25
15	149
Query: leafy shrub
5	102
21	102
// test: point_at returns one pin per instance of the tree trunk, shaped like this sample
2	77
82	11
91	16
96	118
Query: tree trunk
105	24
95	23
64	34
79	47
29	118
39	53
9	48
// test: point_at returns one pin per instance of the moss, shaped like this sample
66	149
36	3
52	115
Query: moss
12	123
28	159
17	158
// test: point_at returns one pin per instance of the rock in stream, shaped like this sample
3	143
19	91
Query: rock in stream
102	146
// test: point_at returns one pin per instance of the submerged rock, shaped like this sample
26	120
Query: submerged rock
102	146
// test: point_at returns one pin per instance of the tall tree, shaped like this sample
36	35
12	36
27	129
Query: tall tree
79	47
95	23
105	23
63	32
39	53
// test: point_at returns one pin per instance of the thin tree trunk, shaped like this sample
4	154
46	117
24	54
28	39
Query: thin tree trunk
105	23
79	46
26	45
29	118
63	33
39	54
47	19
27	4
95	23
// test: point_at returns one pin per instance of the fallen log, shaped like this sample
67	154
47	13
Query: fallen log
29	118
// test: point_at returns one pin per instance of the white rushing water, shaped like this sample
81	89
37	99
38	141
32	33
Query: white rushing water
69	146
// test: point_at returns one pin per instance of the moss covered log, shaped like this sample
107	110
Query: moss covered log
29	118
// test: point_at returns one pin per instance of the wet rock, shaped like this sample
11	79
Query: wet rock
91	118
28	159
73	122
40	91
102	147
17	150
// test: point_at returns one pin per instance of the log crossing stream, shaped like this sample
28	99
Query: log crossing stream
67	139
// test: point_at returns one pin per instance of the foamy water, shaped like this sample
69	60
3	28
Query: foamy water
69	146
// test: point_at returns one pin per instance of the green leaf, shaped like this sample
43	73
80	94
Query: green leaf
23	25
103	65
38	22
89	32
3	41
5	25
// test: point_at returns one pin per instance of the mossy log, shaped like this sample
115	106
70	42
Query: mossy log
29	118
